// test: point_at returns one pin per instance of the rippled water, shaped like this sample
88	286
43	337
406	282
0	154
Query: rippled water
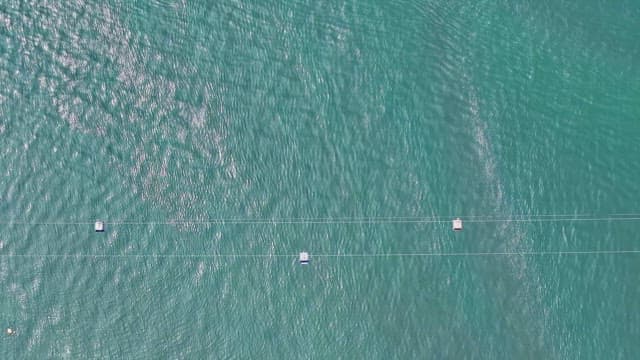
197	129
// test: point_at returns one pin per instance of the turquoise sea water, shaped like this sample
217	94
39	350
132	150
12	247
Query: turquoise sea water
334	127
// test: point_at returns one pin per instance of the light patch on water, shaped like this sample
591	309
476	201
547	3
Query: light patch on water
4	269
118	37
154	169
486	156
5	21
145	99
510	232
65	113
52	318
113	236
483	149
165	162
35	285
199	272
232	170
55	316
17	292
226	287
182	136
140	156
199	118
66	352
512	236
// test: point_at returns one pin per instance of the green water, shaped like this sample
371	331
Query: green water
334	127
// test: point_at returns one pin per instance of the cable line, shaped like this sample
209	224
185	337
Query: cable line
351	220
334	255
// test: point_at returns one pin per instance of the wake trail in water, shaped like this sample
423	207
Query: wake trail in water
511	237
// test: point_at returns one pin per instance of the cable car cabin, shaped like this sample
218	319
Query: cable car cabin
304	258
456	224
